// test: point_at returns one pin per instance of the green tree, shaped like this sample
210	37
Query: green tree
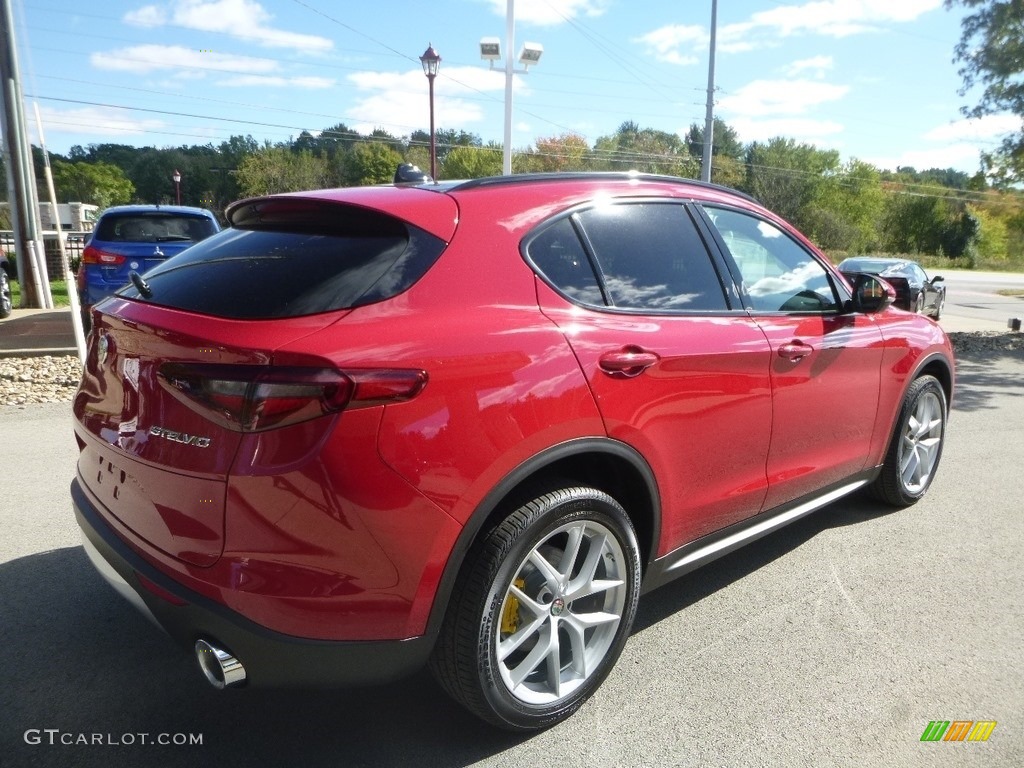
277	169
567	152
646	150
371	162
97	183
725	142
991	54
788	177
472	162
846	214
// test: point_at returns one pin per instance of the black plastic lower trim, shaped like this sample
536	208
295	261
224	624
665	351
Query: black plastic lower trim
271	659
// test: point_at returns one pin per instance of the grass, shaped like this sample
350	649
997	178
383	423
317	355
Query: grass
58	288
1015	292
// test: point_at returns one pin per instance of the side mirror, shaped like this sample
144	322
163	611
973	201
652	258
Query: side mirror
871	293
938	279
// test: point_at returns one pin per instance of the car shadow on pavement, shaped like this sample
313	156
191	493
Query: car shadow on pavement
682	593
74	656
981	377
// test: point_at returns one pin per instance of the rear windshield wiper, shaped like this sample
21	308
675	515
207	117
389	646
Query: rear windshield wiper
141	285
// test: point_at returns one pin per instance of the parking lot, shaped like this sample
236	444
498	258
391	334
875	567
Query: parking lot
833	642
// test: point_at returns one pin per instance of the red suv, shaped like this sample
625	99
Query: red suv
467	424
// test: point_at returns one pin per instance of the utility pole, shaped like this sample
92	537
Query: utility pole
709	121
21	182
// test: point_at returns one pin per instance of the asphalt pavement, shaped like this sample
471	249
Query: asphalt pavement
834	642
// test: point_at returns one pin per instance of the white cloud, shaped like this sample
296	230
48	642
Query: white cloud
764	29
149	58
988	127
779	97
961	156
548	13
244	19
666	42
840	18
398	102
274	81
94	121
801	129
817	66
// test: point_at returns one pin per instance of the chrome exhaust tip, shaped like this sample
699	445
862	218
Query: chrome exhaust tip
221	669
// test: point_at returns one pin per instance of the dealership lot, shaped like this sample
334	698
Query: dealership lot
835	641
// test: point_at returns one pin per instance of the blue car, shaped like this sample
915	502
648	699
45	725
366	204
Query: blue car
135	238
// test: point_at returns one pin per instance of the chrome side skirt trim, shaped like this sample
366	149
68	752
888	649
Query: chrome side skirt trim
692	556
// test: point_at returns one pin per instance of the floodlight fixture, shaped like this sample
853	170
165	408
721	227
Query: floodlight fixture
530	54
490	49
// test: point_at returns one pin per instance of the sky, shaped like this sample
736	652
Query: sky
873	79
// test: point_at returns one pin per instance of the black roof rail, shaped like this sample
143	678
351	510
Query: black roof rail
523	178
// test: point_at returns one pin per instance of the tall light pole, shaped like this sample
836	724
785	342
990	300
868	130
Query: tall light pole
431	61
709	120
177	186
490	51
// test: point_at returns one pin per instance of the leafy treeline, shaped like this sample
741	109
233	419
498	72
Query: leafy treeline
846	207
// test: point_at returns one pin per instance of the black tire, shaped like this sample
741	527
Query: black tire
916	448
6	306
505	594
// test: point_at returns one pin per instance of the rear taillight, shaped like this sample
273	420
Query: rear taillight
93	255
257	398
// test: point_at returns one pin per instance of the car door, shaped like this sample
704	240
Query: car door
678	372
825	363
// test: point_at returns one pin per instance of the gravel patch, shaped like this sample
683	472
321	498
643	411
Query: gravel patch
980	343
27	380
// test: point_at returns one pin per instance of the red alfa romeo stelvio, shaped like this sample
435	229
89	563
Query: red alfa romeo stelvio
467	424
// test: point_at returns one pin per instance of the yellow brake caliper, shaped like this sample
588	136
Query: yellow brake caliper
510	614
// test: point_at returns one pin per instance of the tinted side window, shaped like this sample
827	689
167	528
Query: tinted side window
559	255
288	269
652	258
778	273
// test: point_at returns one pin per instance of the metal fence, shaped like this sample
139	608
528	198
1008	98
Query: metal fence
74	244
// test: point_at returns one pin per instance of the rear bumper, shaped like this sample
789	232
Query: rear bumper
271	659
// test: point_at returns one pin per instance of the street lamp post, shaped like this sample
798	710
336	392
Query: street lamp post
490	51
177	186
431	61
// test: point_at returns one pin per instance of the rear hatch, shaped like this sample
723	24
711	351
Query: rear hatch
183	366
140	240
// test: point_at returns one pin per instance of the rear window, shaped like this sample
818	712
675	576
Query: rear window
276	264
154	227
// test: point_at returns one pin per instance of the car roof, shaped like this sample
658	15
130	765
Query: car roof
435	206
585	176
883	261
185	210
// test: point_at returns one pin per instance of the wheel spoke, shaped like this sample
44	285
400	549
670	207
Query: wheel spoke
588	569
546	643
571	589
908	468
547	570
572	549
920	443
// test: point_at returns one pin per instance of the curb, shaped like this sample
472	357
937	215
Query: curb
39	352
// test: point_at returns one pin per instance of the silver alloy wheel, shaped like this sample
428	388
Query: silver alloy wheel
921	442
561	612
919	304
